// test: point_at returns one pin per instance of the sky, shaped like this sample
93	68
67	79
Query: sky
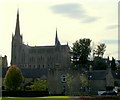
93	19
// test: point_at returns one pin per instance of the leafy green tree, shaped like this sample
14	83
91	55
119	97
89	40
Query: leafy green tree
13	78
39	85
80	51
84	80
69	80
113	64
100	50
99	64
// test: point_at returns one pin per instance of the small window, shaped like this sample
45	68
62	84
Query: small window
63	78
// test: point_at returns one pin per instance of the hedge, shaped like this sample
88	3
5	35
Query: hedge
24	93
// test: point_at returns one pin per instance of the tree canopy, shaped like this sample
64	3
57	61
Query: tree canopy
100	50
80	51
13	78
99	64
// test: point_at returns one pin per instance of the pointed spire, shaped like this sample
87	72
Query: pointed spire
67	43
17	28
56	39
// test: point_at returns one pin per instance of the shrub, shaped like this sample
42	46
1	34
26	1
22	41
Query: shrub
38	85
13	78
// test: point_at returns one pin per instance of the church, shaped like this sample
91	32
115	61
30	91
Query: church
52	63
41	57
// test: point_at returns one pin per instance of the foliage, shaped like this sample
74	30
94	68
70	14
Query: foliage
80	51
69	80
100	50
13	78
113	64
118	67
99	64
83	80
39	85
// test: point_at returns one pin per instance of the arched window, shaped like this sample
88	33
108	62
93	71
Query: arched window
23	57
63	78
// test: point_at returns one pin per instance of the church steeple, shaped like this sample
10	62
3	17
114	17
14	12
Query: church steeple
17	28
57	42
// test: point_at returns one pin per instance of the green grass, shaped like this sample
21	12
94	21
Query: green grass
39	98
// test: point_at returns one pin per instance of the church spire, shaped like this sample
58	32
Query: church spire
17	28
57	42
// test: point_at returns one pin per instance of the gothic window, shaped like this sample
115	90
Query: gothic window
41	57
23	56
31	59
43	66
37	60
34	66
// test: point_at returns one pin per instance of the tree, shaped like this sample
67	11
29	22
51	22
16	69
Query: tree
113	64
80	51
84	80
13	78
99	64
100	50
39	85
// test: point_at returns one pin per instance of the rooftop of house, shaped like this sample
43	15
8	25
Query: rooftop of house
29	73
91	75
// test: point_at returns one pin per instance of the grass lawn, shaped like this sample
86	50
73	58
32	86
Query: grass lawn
39	98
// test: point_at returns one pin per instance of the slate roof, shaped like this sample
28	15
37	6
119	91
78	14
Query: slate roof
101	74
34	73
96	74
29	73
43	47
93	75
116	74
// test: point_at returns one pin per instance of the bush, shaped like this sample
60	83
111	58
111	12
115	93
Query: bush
38	85
24	93
13	78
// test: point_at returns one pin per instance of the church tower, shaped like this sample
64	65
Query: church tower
16	43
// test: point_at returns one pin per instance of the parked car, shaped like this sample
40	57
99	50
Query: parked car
109	93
